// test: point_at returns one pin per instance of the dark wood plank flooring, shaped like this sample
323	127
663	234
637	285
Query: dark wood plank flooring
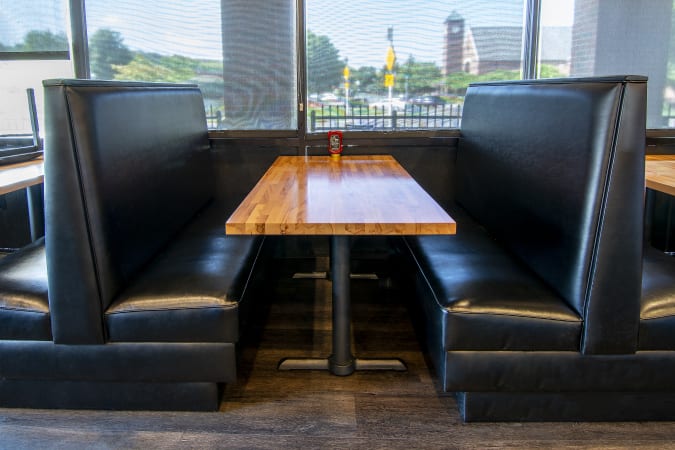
271	409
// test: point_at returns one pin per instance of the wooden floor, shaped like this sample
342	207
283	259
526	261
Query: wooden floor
271	409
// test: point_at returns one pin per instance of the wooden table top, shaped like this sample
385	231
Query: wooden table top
660	173
354	195
21	175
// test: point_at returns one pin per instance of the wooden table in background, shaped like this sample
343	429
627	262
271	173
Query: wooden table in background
340	198
27	175
660	173
21	175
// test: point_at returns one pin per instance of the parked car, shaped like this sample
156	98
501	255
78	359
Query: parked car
329	98
397	104
428	100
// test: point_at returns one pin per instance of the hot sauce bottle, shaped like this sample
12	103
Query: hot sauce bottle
335	144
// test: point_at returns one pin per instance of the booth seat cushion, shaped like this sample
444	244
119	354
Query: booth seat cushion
191	291
24	306
657	314
486	300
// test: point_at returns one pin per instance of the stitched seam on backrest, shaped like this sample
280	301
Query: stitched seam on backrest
76	157
601	213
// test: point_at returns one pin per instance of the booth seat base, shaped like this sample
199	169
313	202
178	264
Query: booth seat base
60	394
566	406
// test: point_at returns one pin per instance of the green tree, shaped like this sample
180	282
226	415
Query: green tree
145	67
42	40
670	74
324	65
422	77
107	49
549	71
457	82
365	80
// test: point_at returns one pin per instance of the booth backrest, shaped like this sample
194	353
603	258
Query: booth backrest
554	169
127	165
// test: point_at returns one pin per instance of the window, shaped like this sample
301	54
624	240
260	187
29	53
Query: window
33	28
369	64
240	52
33	46
383	65
609	37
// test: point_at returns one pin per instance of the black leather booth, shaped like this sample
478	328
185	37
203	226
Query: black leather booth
145	291
536	309
544	306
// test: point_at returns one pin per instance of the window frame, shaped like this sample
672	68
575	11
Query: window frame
33	142
62	55
79	55
43	55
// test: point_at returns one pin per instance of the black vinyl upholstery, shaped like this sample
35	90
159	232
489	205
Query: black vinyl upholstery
657	314
24	306
143	284
554	170
127	167
540	288
479	286
190	292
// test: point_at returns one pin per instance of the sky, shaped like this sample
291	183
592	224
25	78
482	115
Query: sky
19	16
189	27
358	28
418	24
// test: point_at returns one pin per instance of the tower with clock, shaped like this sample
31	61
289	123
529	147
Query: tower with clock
454	44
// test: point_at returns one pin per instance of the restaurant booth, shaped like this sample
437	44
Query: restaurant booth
520	244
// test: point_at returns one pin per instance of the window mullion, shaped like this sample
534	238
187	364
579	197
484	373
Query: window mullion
301	56
79	43
531	38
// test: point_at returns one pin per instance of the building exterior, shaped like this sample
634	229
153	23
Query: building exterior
641	46
476	50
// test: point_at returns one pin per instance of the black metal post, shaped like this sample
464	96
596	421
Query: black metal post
35	211
342	360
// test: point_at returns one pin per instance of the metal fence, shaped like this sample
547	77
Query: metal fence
363	117
669	115
214	119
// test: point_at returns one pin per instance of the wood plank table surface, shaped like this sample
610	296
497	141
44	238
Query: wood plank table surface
353	195
26	175
14	177
660	173
340	198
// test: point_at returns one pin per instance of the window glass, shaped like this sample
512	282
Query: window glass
555	39
33	26
382	65
240	52
15	78
610	37
33	47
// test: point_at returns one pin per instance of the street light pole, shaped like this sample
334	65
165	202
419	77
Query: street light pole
345	74
389	77
406	87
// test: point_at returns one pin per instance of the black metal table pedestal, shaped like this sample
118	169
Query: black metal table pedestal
35	211
341	361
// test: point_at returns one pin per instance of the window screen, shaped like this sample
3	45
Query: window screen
382	65
610	37
33	46
240	52
33	26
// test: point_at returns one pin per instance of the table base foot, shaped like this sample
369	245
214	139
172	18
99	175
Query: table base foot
381	364
342	370
304	364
